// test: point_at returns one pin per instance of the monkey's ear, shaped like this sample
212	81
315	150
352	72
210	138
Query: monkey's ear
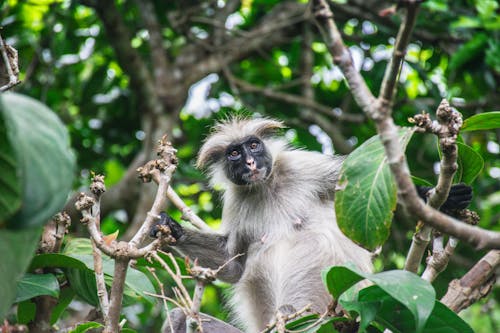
264	127
209	155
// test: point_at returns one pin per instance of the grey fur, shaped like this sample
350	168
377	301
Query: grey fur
285	226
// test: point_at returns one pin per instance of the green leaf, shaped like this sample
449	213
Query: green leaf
55	260
340	278
32	285
83	280
470	163
421	181
17	248
366	203
409	289
482	121
45	162
26	312
82	328
65	297
367	309
10	185
376	305
444	320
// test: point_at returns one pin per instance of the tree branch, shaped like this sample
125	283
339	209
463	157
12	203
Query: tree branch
380	111
446	128
474	285
388	87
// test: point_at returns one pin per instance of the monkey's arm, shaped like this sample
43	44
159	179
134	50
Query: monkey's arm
208	248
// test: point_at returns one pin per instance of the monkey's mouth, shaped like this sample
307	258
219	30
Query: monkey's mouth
255	175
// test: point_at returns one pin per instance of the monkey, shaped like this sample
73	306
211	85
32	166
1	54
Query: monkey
278	228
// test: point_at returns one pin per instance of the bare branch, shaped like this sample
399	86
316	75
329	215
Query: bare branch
474	285
446	128
160	171
387	89
116	296
342	57
9	70
187	213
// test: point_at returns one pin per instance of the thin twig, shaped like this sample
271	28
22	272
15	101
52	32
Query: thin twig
187	212
164	298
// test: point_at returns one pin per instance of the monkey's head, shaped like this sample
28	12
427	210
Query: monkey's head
241	150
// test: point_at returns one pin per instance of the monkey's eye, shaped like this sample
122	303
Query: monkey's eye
234	154
254	145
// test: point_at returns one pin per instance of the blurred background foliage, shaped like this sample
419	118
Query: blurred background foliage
71	60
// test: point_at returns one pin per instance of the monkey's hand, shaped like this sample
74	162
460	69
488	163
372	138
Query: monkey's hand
176	229
459	198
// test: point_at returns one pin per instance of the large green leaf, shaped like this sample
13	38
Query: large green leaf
45	163
10	185
17	248
83	280
409	289
32	285
444	320
470	163
367	201
482	121
55	260
375	304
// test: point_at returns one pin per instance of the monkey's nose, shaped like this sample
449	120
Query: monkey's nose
251	164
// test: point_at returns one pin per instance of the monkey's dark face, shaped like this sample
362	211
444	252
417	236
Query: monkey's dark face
248	161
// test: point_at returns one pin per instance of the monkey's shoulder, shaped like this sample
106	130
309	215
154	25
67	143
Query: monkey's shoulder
309	165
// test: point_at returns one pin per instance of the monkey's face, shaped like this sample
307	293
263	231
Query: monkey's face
248	161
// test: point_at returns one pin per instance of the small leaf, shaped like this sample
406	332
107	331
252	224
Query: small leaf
365	205
82	328
482	121
32	285
108	239
421	181
470	163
